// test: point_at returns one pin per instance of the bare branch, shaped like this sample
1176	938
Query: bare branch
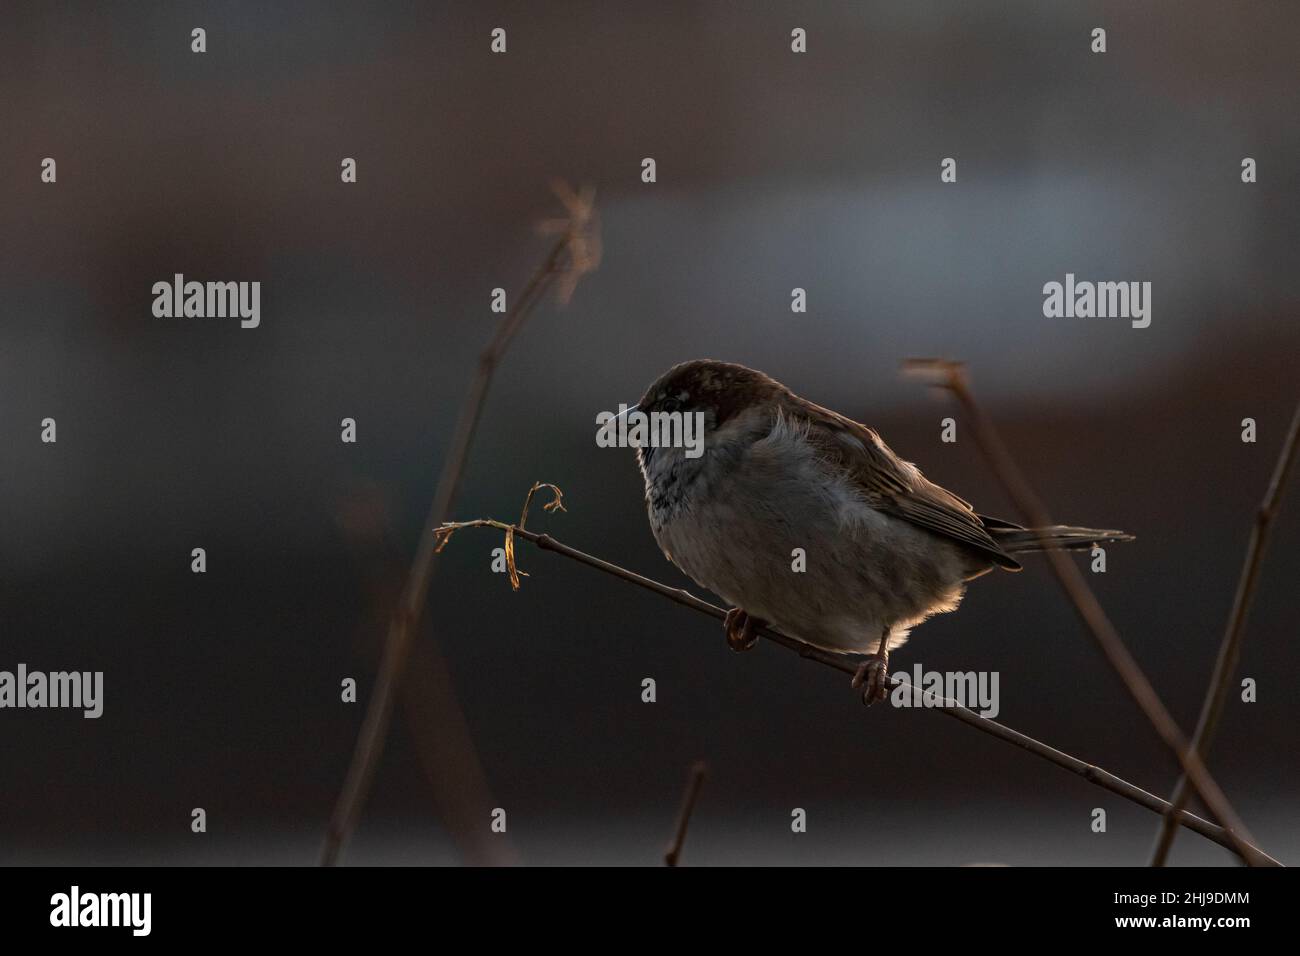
435	720
1230	650
952	376
840	662
565	263
692	794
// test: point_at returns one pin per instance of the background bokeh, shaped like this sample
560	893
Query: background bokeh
775	170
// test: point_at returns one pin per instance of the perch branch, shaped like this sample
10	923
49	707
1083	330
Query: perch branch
846	665
1230	650
692	794
952	376
582	253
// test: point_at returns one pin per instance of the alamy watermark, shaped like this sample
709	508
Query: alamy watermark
208	300
77	690
974	690
1102	300
75	908
633	428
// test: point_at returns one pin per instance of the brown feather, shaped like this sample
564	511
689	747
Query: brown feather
891	485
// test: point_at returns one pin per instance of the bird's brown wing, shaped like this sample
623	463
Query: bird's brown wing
894	486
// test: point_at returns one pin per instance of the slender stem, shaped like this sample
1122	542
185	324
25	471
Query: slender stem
1230	650
374	729
1087	771
951	375
692	794
435	720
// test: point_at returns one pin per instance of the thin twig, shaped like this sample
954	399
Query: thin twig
847	665
1230	650
952	376
692	794
435	720
374	729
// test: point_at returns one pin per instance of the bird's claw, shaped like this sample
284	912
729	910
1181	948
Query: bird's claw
873	675
741	630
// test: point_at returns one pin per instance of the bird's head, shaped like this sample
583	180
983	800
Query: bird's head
713	393
720	390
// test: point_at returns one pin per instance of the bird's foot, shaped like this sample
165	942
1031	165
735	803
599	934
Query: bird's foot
741	629
873	675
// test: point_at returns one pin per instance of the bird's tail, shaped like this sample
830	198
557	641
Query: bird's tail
1014	539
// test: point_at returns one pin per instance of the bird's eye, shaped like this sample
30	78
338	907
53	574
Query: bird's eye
670	405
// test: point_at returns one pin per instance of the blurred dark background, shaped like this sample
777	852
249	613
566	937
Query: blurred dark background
775	170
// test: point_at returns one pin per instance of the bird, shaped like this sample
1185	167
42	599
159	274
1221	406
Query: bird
805	521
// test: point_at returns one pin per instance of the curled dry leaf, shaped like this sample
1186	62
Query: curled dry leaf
443	533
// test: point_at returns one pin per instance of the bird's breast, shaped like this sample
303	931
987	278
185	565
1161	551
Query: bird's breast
773	528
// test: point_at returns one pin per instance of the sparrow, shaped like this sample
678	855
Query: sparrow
883	548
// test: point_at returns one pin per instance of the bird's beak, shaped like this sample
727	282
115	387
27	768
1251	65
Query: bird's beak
625	412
